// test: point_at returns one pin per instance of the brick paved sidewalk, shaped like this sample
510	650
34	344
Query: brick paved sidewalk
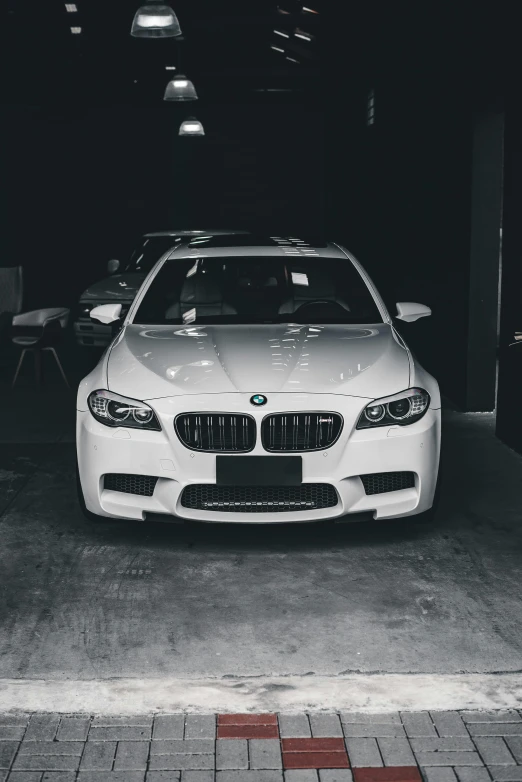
347	747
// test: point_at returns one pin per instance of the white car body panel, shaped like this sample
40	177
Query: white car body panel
166	361
217	368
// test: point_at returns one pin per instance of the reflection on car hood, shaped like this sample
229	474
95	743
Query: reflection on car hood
118	287
160	361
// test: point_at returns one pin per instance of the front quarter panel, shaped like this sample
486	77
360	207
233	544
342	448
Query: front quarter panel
96	379
422	379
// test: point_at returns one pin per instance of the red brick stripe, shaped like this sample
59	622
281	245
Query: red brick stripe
247	732
315	760
314	753
396	774
247	719
313	745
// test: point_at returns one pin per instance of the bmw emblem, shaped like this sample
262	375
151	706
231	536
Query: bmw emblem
258	400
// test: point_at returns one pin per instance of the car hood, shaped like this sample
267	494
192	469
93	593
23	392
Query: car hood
153	362
119	287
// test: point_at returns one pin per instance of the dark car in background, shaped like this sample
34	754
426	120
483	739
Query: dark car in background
123	282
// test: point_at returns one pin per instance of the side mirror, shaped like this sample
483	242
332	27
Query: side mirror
106	313
113	266
409	311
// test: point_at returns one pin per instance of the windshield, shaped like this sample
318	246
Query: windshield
149	251
257	290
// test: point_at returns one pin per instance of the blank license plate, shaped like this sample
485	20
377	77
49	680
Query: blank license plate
259	470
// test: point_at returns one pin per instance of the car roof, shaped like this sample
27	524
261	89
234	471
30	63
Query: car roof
218	246
184	233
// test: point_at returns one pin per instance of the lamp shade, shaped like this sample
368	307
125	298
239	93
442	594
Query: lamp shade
155	21
180	88
191	127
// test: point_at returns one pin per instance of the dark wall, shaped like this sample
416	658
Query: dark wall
422	185
76	187
411	177
406	185
260	167
509	413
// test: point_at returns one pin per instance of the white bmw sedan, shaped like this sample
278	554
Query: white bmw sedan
258	381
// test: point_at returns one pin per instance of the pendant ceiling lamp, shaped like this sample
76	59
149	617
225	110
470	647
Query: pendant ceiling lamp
155	20
191	127
180	89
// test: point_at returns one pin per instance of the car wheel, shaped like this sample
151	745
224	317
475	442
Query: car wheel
92	517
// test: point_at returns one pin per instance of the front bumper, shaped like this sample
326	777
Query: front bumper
103	450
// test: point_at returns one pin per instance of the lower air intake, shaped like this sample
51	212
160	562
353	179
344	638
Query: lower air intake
382	482
259	499
143	485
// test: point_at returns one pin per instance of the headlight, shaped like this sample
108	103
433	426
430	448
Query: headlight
114	410
402	409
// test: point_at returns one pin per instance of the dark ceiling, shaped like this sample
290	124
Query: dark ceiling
226	49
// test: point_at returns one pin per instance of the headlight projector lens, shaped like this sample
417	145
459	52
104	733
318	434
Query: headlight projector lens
399	409
375	413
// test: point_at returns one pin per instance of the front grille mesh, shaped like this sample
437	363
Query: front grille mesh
259	499
301	431
381	482
223	432
143	485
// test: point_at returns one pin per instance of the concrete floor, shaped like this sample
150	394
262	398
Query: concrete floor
83	601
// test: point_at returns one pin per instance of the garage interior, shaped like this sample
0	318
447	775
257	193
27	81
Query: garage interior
394	129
